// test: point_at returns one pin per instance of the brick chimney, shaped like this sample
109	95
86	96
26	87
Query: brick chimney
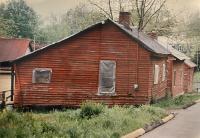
153	35
125	19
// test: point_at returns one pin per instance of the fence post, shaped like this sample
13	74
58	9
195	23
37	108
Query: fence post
3	98
12	82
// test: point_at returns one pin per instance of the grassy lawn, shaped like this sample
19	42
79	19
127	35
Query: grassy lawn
92	120
178	102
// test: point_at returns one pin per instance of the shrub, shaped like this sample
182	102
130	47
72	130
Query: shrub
179	100
90	109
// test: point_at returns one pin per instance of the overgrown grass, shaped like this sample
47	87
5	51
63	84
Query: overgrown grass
178	102
107	123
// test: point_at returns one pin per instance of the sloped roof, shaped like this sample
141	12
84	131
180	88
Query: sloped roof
11	49
178	54
145	41
190	63
148	43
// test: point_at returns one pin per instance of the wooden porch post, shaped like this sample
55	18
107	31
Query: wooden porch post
12	82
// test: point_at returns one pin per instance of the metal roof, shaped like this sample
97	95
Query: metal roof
179	55
148	43
145	41
11	49
190	63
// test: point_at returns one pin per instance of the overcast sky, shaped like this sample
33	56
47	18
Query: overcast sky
47	7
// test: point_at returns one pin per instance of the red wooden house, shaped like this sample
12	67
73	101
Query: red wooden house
108	62
176	72
180	72
188	75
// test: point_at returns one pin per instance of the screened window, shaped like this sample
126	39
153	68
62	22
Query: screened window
164	73
41	75
107	76
156	74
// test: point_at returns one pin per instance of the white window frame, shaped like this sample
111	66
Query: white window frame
40	69
164	72
156	73
100	92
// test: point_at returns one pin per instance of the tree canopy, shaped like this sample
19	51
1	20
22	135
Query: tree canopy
18	19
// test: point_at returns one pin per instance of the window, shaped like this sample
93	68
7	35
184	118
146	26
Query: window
41	75
182	77
156	74
174	78
107	76
164	73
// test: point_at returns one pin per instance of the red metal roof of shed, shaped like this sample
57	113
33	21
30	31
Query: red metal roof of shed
12	48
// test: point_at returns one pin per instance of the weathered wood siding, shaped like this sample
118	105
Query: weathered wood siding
159	90
170	63
178	80
188	78
75	71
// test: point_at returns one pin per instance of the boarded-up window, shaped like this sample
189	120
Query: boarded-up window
41	75
107	76
156	74
164	73
174	78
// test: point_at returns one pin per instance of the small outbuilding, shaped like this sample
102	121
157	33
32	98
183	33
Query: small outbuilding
10	49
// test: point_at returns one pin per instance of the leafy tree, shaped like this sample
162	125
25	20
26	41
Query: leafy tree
6	28
193	27
81	17
55	30
192	32
73	21
196	59
22	18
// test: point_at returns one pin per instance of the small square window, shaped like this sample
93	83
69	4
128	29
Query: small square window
41	75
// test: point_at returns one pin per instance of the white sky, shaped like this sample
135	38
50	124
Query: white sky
47	7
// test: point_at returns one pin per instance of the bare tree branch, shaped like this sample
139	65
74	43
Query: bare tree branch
110	9
150	6
138	11
153	14
120	5
100	8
